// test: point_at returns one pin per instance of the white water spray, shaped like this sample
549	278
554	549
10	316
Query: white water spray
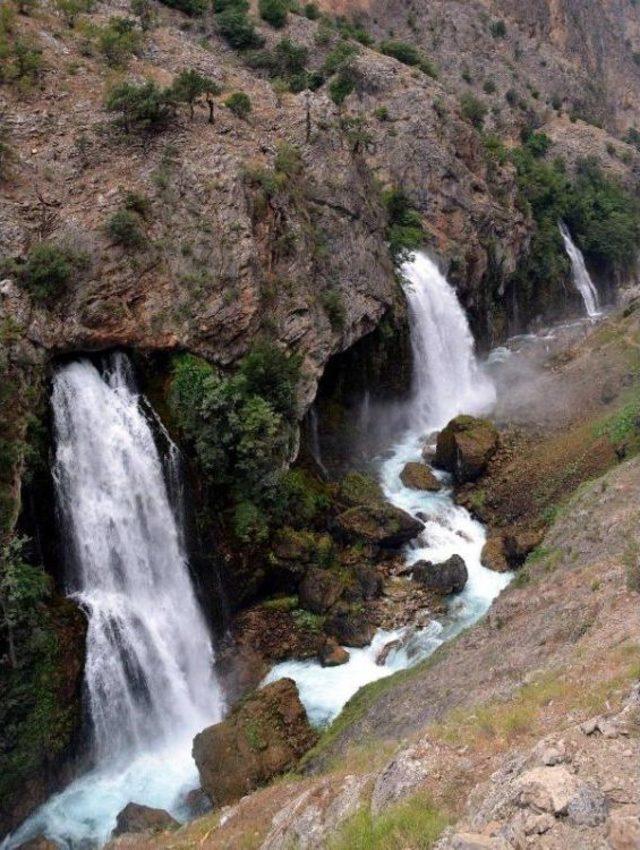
581	277
447	380
149	675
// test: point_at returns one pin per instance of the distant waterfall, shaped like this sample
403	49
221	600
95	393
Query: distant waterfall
446	377
149	666
581	278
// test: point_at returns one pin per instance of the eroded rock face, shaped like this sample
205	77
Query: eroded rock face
465	447
419	477
138	818
450	576
264	736
319	590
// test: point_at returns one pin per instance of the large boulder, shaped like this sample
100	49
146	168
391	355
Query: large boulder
465	447
380	523
508	551
138	818
263	736
450	576
418	476
493	555
350	627
319	590
332	654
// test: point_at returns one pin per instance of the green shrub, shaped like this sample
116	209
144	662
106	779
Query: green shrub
143	107
145	12
537	143
124	229
381	113
190	7
400	50
136	203
333	305
119	40
498	29
340	57
238	29
311	11
239	103
189	86
48	270
22	588
489	86
473	109
405	233
20	61
274	12
70	9
341	87
268	372
249	523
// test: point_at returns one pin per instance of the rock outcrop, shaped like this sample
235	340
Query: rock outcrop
449	576
138	818
465	447
418	476
263	736
382	524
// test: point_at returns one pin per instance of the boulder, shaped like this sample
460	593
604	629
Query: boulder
197	803
548	789
387	649
263	736
319	590
138	818
450	576
419	477
493	555
379	523
465	447
350	628
356	488
40	842
332	654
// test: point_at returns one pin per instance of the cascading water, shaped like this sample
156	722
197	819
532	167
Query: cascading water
581	278
447	380
149	667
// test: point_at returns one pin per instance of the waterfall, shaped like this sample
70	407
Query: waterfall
581	278
149	665
314	440
447	380
446	377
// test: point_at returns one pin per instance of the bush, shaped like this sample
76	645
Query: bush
137	203
473	109
145	12
48	269
70	9
404	230
189	86
119	40
239	103
274	12
237	28
311	11
124	229
341	87
400	50
340	57
140	107
268	372
190	7
498	29
331	301
489	87
20	61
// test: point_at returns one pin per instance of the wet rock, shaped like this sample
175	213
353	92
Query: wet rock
381	657
370	582
40	842
197	803
356	488
333	655
138	818
419	477
450	576
519	545
350	628
319	590
465	447
383	524
264	736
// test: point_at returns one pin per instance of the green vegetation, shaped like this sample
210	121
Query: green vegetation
20	59
22	588
239	103
119	40
70	9
145	107
124	228
408	55
311	11
235	26
47	270
274	12
405	232
413	824
239	428
331	300
189	86
145	13
190	7
473	109
339	63
498	29
287	63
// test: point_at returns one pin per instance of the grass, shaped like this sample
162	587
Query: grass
413	824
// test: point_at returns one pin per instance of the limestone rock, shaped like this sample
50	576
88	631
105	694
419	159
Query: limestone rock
474	841
138	818
548	789
404	773
264	736
493	556
450	576
319	590
588	807
333	655
465	447
624	831
419	477
382	523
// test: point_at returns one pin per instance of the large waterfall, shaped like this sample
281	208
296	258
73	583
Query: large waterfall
581	277
149	676
447	380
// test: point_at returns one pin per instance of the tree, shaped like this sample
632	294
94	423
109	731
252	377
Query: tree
144	107
124	229
239	103
274	12
189	86
237	28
